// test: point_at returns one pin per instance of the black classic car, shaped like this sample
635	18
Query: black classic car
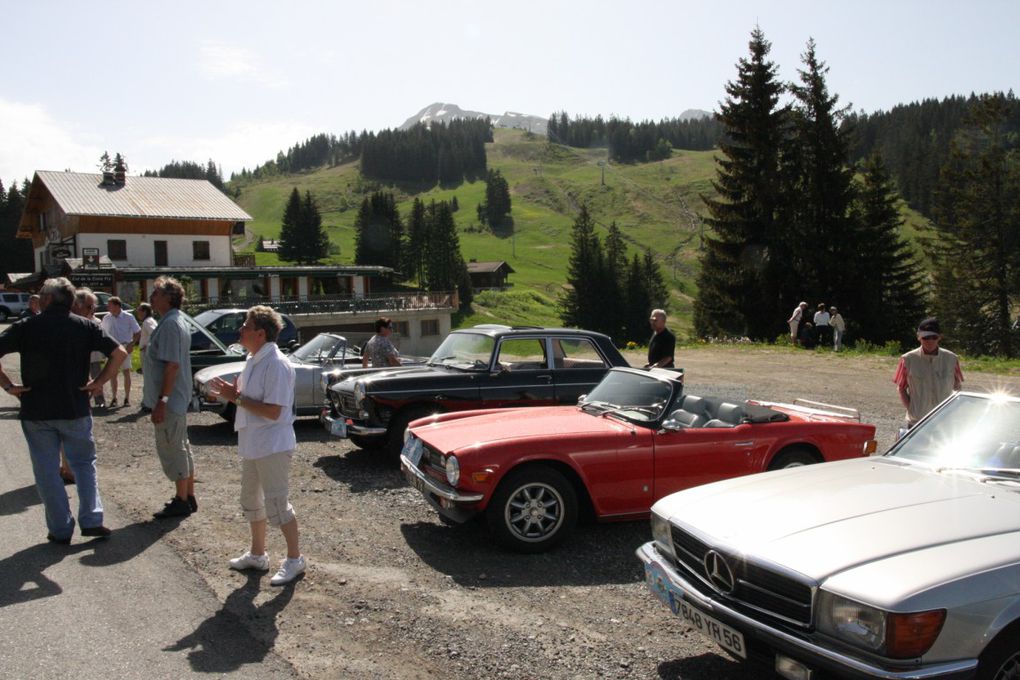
486	366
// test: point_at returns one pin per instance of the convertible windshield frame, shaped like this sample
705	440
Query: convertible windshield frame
632	395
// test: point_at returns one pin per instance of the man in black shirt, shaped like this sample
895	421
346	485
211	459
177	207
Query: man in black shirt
54	393
663	343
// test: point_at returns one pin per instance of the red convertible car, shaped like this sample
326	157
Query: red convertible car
632	440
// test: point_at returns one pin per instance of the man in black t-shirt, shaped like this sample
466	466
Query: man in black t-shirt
55	347
663	343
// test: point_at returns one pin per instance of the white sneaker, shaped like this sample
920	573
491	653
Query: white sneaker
249	561
290	569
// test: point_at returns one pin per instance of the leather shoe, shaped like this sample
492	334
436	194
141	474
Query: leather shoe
99	531
175	508
62	541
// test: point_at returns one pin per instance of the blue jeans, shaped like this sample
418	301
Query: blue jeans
45	437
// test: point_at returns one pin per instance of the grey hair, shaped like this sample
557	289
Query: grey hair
60	290
659	312
266	319
173	289
83	295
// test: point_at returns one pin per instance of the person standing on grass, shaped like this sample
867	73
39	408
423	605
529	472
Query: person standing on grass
54	412
167	392
264	421
123	328
838	329
794	322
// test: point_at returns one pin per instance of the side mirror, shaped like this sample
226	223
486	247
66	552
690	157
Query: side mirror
670	425
581	399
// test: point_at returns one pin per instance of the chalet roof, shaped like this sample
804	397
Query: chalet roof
80	193
488	267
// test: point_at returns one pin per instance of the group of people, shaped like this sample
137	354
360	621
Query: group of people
60	373
827	325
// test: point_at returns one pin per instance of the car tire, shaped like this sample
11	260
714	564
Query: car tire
4	314
533	510
1001	659
367	443
795	456
395	434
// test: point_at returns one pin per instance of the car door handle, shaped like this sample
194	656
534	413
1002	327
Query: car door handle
749	442
544	378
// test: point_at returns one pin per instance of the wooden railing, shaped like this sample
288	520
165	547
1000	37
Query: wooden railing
334	304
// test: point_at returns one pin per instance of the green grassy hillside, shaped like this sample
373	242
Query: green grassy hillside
656	205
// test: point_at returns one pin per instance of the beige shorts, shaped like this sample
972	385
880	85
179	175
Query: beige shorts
265	489
173	447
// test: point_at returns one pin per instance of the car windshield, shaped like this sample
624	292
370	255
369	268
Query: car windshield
207	317
971	432
633	396
464	350
197	328
319	349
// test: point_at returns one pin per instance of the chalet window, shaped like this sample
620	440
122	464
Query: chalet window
429	327
200	250
116	249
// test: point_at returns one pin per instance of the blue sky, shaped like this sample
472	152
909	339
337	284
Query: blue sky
238	81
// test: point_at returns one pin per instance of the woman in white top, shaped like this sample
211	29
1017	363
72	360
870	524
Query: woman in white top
264	396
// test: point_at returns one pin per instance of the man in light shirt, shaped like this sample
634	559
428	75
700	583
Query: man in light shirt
123	328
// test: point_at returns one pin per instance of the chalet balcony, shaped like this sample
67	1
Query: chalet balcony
381	303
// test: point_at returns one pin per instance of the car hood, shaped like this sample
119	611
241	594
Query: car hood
219	371
880	529
518	424
398	377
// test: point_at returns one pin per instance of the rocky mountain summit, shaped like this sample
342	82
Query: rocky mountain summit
444	112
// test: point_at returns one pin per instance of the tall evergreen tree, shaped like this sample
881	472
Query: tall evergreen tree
302	237
638	305
977	221
744	266
445	268
417	241
580	305
379	233
497	206
826	241
888	300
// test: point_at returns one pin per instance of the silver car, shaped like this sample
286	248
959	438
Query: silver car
905	565
324	352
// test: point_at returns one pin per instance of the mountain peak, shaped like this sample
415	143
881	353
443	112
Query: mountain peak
445	112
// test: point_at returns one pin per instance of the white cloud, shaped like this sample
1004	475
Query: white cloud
35	140
222	61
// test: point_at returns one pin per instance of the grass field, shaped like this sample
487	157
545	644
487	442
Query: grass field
656	205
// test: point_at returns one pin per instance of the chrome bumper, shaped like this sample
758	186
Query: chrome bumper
803	650
328	420
425	484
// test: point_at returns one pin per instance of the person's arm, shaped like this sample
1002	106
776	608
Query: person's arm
10	387
170	369
116	358
229	391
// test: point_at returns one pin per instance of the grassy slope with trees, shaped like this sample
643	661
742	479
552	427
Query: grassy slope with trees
650	202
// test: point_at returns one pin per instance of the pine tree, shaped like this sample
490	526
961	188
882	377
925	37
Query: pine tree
445	268
417	240
379	232
977	252
638	305
826	242
105	164
302	237
888	301
744	266
580	305
497	204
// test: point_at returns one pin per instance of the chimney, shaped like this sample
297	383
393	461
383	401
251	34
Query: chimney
120	171
108	178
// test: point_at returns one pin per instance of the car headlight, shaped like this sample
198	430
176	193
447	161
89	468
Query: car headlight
892	634
359	394
452	470
662	534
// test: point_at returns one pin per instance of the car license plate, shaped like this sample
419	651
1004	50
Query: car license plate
726	637
413	449
338	427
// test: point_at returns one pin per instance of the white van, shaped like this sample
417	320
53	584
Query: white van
13	304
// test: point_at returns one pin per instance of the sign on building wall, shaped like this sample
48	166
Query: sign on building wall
90	258
94	280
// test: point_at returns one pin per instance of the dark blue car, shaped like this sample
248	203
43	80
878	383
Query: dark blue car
226	324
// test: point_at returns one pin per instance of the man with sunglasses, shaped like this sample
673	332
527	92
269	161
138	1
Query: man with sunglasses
927	375
379	350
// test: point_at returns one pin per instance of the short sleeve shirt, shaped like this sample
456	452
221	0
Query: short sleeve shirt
121	328
55	349
169	343
379	349
267	377
662	345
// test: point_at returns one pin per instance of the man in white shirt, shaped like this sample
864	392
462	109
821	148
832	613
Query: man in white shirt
264	396
125	330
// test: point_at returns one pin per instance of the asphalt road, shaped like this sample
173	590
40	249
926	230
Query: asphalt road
123	607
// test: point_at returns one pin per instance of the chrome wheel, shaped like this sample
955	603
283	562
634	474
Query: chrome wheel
1010	668
534	512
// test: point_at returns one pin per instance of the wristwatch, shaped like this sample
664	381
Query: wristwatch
238	399
165	398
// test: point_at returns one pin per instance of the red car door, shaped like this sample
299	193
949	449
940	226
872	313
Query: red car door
699	455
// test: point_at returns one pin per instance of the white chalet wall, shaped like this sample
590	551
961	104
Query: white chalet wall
141	250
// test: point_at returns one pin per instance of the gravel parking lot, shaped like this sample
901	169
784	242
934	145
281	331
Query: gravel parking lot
391	592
